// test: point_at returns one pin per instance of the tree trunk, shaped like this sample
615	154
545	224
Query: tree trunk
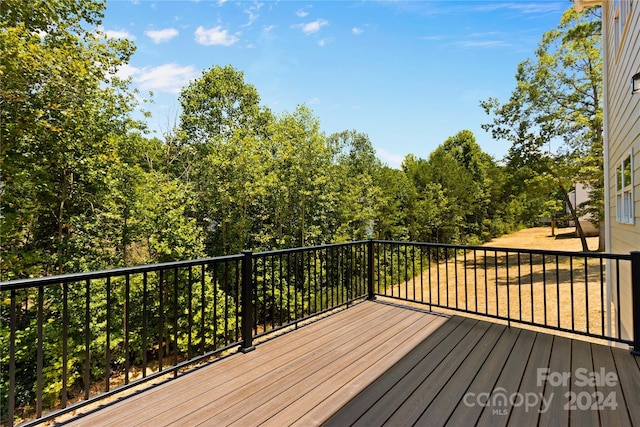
574	215
601	235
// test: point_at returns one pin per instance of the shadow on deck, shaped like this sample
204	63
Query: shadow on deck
382	364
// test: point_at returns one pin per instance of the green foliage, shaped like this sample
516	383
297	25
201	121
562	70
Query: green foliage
558	102
82	188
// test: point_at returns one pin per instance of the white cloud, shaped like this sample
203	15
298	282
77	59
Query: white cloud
253	13
357	31
118	34
393	160
163	78
302	13
125	71
314	26
161	36
524	7
214	36
481	44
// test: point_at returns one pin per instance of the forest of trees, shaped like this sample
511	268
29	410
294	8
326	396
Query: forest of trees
83	187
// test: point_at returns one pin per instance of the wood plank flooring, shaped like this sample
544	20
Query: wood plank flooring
486	374
381	364
300	377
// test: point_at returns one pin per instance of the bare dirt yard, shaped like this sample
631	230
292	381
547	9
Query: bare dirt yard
531	289
541	238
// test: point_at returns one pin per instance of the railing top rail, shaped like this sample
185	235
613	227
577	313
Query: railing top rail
76	277
602	255
121	271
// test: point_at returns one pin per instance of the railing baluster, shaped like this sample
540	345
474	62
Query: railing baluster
519	288
619	323
189	312
370	269
544	288
160	319
455	274
635	298
438	273
107	352
446	275
280	322
429	268
531	286
602	284
586	291
40	350
508	286
236	298
203	305
264	293
87	340
558	289
215	284
464	269
571	285
12	357
406	274
127	291
144	324
65	343
175	321
495	260
225	273
296	284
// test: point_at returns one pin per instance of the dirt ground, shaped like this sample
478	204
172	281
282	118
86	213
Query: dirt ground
541	238
558	291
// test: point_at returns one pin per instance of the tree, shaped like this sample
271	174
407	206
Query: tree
461	169
355	166
63	117
218	104
558	101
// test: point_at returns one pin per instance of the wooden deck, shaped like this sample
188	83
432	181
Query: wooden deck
380	364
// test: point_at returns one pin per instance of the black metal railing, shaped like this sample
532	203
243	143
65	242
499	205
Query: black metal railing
562	291
71	340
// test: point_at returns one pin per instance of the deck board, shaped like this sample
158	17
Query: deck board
603	358
439	408
581	356
466	414
555	415
382	364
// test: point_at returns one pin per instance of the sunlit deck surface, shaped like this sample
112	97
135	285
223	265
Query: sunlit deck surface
382	364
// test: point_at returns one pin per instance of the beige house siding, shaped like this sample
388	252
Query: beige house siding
621	47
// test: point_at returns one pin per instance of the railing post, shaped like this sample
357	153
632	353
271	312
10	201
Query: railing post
635	297
247	302
370	260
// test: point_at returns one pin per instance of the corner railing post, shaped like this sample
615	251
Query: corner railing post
370	260
635	297
247	302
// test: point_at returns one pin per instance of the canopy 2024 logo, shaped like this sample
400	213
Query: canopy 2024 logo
500	401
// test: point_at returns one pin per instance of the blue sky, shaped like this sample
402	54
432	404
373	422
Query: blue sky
407	73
